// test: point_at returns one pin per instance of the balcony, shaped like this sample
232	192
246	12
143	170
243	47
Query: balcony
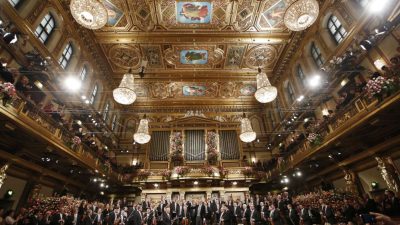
40	125
343	123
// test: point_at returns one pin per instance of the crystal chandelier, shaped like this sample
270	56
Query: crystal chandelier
265	91
125	94
301	14
246	131
142	135
91	14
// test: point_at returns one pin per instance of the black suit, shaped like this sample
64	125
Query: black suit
166	219
293	217
349	213
145	205
276	217
246	214
226	217
305	216
58	219
255	216
329	215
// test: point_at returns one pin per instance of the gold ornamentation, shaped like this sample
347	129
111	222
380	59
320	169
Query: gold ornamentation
386	174
261	56
3	174
125	56
301	14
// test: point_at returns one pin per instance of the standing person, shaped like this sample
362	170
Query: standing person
207	214
246	215
327	213
166	216
199	213
237	213
215	208
275	216
59	218
293	216
305	215
225	216
348	212
255	216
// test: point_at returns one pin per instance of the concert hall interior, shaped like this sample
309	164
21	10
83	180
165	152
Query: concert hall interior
199	112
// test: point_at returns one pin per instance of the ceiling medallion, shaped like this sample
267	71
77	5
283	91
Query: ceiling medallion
301	14
124	94
261	56
91	14
265	91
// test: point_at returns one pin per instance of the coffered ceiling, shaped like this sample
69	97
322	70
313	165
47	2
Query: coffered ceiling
198	49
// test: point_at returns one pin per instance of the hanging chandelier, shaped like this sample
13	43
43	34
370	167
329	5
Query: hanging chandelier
265	91
124	94
142	135
91	14
246	131
301	14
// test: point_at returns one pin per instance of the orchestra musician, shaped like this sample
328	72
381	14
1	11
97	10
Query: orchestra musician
246	215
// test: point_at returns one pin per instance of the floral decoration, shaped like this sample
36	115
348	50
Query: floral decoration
176	141
314	138
377	86
223	172
143	174
247	171
166	174
76	140
212	147
182	170
208	170
8	92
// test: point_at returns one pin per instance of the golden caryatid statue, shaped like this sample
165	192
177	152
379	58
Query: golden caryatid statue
3	174
387	174
349	177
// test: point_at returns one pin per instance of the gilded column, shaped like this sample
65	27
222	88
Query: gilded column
388	173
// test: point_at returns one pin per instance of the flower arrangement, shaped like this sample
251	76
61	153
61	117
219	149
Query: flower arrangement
143	174
208	170
76	140
176	142
176	156
223	172
182	170
314	138
377	86
212	147
8	92
166	174
248	172
212	157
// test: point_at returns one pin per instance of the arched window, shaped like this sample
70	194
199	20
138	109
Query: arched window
93	95
14	3
114	122
66	56
336	29
84	72
105	111
362	3
45	28
290	92
316	55
301	76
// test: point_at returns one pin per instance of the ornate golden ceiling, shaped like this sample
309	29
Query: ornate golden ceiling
204	48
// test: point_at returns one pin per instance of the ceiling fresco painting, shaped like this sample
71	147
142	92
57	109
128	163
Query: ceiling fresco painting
193	12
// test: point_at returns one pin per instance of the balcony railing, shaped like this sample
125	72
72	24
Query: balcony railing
28	115
358	110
